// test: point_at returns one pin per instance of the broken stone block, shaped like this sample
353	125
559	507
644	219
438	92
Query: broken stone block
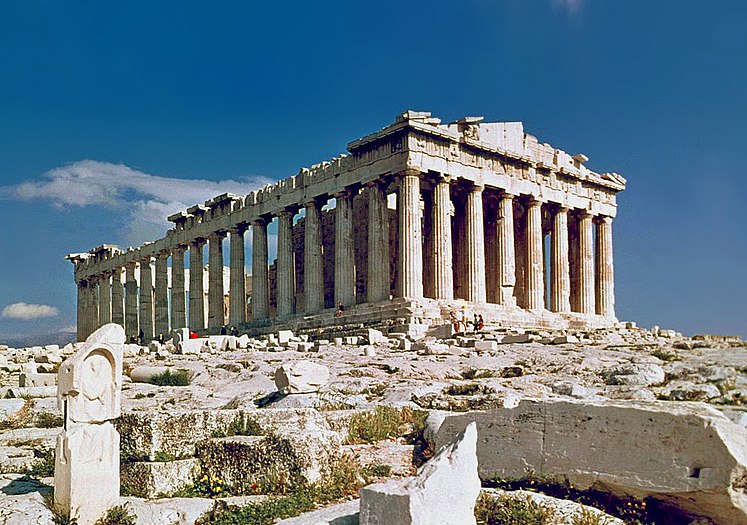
369	351
31	380
485	345
517	338
685	454
565	339
110	333
301	377
444	491
145	479
145	374
375	337
631	374
284	336
194	346
443	331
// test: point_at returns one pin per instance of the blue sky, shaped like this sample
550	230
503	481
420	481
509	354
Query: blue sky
102	105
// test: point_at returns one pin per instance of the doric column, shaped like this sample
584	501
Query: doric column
162	295
506	251
605	284
378	278
586	263
475	254
410	263
131	317
443	268
117	298
313	276
286	287
81	310
196	286
92	307
260	277
146	298
535	276
237	291
105	299
344	250
178	297
560	280
216	318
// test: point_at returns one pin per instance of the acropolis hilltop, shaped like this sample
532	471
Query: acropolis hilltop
468	213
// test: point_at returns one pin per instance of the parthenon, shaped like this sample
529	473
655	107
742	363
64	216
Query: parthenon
419	220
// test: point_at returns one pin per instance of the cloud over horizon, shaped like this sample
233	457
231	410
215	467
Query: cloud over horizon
27	311
146	199
569	6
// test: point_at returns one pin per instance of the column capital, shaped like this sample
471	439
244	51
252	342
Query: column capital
260	222
346	192
179	248
164	254
409	172
477	187
238	229
288	212
197	243
505	194
583	213
562	208
606	219
535	201
216	235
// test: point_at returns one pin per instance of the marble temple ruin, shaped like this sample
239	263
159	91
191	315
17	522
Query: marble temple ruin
419	220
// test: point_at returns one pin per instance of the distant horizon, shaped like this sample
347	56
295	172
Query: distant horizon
116	116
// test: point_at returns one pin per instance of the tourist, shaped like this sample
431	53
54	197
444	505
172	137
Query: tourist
480	322
454	321
340	310
161	338
140	337
234	331
223	330
465	319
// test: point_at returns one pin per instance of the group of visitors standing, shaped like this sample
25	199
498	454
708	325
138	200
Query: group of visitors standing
462	323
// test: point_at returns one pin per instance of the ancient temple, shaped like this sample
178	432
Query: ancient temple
419	219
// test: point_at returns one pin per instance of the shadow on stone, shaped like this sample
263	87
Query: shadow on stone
269	399
25	485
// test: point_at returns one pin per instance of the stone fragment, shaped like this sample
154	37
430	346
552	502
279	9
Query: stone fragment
110	333
284	336
685	454
443	331
301	377
375	337
645	374
486	345
147	479
10	407
689	391
518	338
443	492
570	389
369	351
32	380
565	339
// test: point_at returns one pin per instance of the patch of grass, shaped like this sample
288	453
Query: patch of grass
345	480
48	420
665	355
374	392
169	378
43	466
507	510
587	517
377	471
241	427
368	427
478	373
231	367
118	515
163	457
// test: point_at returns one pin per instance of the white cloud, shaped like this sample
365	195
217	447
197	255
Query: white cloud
29	311
146	199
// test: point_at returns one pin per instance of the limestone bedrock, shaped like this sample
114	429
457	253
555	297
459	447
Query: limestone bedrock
301	377
685	454
444	492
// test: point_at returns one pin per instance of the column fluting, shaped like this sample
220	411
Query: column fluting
506	250
560	280
410	279
443	281
260	277
118	298
216	317
344	250
286	279
196	286
146	299
378	274
105	299
535	276
131	313
605	285
237	291
313	276
178	296
162	295
475	253
586	264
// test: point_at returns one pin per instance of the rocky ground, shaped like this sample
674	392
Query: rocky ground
230	379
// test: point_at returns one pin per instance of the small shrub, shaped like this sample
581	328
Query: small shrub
507	510
587	517
241	427
118	515
163	457
48	420
377	471
469	389
665	355
59	516
43	467
368	427
169	378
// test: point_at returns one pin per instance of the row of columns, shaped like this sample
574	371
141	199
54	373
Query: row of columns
147	309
